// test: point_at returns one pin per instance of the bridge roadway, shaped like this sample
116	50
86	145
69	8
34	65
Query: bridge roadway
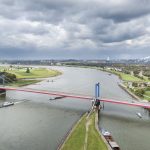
76	96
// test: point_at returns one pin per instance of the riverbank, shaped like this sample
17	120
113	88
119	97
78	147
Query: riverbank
123	76
34	75
129	81
129	92
84	135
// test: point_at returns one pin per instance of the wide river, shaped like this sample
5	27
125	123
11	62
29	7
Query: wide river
41	124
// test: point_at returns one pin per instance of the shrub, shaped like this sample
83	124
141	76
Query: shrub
28	70
9	77
140	92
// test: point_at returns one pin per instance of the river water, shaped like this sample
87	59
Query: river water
40	124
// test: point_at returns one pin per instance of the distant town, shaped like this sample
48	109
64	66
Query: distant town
109	62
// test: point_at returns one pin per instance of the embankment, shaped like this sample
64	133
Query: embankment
129	92
85	135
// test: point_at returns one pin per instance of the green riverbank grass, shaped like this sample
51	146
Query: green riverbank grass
147	95
76	140
34	75
125	77
77	137
94	140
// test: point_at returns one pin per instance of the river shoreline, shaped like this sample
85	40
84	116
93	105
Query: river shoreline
98	130
129	92
89	121
137	98
119	84
70	131
30	81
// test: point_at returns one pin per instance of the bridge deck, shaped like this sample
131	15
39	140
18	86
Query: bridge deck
77	96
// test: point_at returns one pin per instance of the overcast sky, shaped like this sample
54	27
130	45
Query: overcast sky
79	29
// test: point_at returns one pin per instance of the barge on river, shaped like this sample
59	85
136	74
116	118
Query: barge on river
110	140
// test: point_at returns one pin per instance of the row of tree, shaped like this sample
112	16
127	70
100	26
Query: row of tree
7	77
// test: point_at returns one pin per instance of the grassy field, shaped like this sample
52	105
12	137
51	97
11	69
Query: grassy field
128	77
34	73
125	77
24	78
76	140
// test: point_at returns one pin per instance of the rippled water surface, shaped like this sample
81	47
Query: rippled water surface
40	124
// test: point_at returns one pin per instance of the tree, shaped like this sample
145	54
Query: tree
139	92
135	84
8	77
28	70
136	72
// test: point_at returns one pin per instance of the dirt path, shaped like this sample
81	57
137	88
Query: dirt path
88	122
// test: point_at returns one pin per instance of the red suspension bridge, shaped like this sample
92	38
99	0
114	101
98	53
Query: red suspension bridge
76	96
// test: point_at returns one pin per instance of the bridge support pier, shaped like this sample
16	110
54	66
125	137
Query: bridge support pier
2	92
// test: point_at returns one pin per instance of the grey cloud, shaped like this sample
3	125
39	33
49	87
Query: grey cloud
127	11
118	33
48	10
48	26
120	11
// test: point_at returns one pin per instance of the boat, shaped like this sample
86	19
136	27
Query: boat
52	98
107	135
5	104
114	145
139	115
55	98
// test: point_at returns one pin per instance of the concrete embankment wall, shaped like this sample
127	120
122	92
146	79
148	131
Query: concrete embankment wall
130	93
97	128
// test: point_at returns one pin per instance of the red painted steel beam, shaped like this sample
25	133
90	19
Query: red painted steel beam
49	93
125	103
69	95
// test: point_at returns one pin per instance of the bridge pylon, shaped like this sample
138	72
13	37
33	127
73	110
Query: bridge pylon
96	101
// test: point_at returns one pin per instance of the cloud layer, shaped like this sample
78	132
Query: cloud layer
74	29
